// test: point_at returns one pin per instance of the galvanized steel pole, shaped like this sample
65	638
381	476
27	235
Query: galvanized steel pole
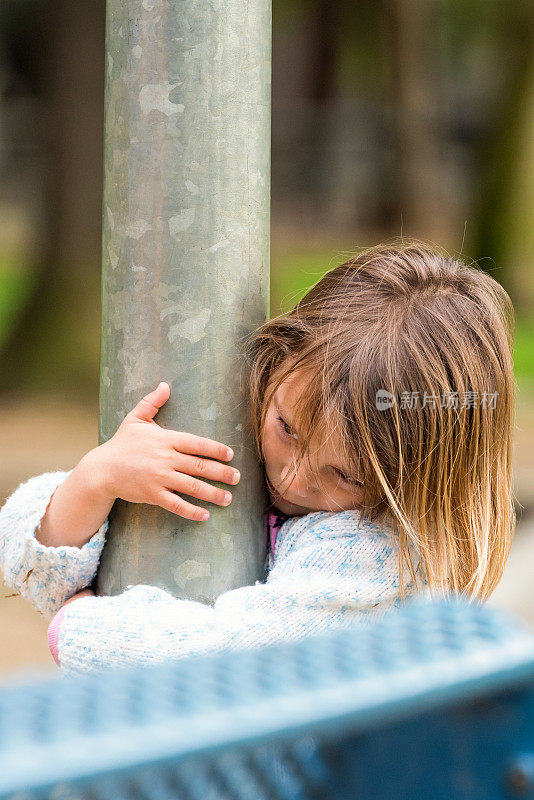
185	267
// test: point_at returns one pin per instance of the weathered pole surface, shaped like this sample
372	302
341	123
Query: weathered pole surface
185	267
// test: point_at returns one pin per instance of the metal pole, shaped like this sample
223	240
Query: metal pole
185	267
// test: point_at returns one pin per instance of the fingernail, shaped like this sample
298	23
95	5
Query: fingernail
205	516
227	498
229	454
236	477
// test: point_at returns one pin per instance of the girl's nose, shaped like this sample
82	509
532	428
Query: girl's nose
296	481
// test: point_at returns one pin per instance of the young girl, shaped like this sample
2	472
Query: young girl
382	408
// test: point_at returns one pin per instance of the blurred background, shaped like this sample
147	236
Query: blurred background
390	117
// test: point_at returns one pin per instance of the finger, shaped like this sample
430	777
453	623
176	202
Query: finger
200	446
147	408
205	467
177	505
186	484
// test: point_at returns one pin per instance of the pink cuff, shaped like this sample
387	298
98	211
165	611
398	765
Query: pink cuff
53	634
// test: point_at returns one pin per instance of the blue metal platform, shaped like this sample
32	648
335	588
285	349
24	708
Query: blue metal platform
436	700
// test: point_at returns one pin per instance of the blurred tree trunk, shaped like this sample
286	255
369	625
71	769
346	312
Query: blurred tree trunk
516	252
54	343
502	237
320	90
414	98
3	81
323	51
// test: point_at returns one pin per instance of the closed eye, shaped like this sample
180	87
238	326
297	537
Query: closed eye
345	479
286	431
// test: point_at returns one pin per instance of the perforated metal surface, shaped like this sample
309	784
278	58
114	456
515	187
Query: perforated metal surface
250	724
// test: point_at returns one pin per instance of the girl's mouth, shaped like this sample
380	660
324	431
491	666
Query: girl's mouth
278	496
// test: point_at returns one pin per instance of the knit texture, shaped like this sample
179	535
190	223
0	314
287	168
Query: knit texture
53	634
328	570
46	576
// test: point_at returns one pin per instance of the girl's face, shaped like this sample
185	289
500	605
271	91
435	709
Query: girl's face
295	492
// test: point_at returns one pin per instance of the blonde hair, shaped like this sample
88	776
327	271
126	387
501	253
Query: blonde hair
408	320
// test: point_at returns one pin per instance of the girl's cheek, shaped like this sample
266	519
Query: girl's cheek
268	441
272	458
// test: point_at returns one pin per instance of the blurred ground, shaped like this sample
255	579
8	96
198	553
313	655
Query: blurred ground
42	435
51	433
515	591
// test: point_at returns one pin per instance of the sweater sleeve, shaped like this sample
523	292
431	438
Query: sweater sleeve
321	579
46	576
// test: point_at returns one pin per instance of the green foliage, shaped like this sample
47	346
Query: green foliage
524	349
16	283
293	272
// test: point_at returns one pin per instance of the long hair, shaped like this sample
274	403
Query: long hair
409	358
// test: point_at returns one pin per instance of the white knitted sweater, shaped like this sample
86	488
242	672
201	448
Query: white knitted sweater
329	570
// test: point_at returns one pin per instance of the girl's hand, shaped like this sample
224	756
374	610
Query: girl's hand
83	593
144	463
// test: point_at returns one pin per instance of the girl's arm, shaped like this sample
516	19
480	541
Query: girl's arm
46	575
324	576
78	507
52	528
